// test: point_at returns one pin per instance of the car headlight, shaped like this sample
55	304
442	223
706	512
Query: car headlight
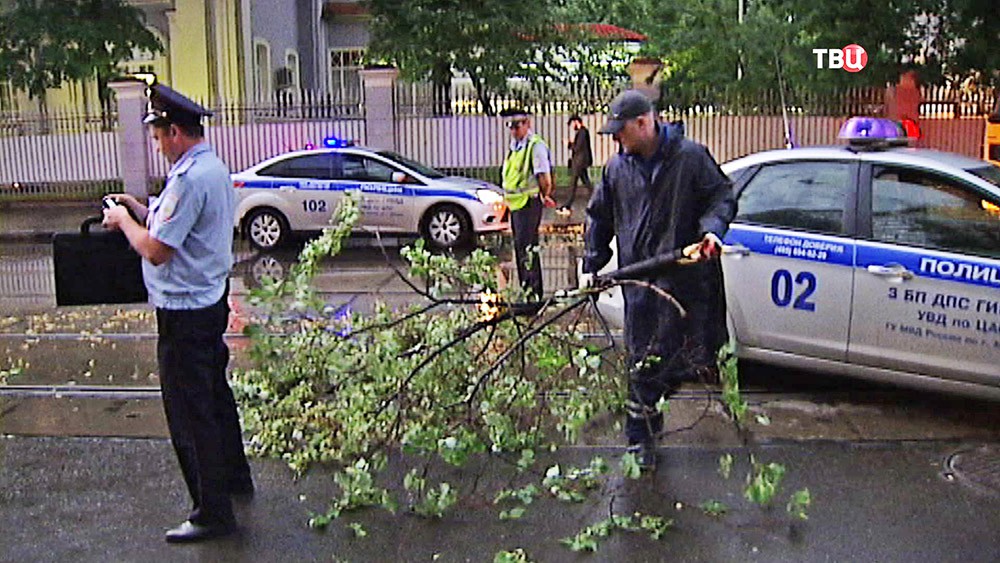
488	197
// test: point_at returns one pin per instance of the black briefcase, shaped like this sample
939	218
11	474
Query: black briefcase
94	268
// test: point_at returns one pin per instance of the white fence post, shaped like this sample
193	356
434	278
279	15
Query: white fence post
132	143
380	110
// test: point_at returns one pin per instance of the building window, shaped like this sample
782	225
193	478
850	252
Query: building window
262	70
292	66
345	78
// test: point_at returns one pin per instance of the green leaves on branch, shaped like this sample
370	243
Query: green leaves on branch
525	495
573	485
798	503
714	508
431	382
729	376
630	466
590	537
357	490
433	387
763	482
516	556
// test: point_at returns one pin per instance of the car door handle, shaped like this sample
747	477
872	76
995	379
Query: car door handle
737	249
890	271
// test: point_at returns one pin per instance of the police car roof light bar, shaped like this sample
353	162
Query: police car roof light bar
337	143
873	133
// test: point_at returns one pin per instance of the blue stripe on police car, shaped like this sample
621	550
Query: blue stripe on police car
777	242
332	186
966	270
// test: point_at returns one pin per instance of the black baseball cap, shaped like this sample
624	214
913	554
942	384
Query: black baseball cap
169	106
627	105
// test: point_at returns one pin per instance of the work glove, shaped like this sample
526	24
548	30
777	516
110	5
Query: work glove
586	281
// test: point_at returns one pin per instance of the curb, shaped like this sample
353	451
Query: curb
27	236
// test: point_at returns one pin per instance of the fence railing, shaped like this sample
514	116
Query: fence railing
76	156
244	136
423	99
82	162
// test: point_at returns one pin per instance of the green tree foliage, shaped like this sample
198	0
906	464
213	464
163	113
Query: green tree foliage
44	43
704	44
491	41
959	40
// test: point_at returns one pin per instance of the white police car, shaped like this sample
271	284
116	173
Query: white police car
870	260
299	191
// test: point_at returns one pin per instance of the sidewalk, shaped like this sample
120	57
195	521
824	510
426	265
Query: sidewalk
38	221
85	499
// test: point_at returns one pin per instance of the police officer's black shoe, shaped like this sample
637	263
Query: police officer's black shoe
189	532
645	454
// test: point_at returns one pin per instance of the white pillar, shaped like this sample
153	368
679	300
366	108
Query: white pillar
132	141
380	107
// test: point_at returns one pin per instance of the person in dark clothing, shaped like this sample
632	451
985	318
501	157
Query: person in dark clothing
660	193
581	158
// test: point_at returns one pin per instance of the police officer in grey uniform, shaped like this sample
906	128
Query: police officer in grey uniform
185	239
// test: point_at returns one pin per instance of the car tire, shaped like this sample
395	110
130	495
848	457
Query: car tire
266	266
446	226
266	228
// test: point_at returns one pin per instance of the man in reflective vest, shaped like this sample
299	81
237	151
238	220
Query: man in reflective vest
527	182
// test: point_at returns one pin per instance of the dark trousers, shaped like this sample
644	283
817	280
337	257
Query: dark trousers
577	175
665	350
200	409
527	252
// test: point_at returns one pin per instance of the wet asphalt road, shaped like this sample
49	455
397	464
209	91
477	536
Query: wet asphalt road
80	395
102	358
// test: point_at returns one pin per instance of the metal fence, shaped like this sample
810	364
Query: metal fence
245	135
59	154
452	132
421	99
67	155
63	155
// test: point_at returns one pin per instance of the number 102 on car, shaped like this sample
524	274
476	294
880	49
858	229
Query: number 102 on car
314	205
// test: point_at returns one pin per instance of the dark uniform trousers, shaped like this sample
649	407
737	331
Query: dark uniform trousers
200	409
527	251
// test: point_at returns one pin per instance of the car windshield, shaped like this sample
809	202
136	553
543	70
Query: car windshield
413	165
990	173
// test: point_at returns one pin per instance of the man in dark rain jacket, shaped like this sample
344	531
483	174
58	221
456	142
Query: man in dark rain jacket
660	193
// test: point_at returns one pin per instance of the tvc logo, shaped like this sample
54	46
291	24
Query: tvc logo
851	58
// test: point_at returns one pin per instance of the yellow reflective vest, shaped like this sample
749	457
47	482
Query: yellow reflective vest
519	184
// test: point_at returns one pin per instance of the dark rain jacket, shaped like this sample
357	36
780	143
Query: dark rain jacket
687	196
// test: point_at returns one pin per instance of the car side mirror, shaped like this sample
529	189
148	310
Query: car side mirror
401	178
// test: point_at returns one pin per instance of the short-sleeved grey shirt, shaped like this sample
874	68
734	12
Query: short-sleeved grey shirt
194	216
